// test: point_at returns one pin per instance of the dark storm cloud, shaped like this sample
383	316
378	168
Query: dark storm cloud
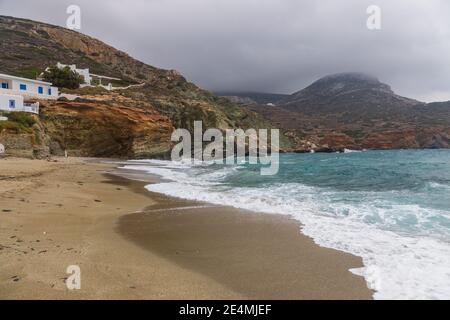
271	45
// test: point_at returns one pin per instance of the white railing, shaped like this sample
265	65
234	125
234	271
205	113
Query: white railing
31	107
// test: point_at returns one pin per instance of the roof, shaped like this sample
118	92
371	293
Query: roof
7	76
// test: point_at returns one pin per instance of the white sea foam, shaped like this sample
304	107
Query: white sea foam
396	266
350	151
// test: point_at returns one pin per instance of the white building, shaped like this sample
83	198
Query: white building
82	72
15	91
87	76
27	88
11	103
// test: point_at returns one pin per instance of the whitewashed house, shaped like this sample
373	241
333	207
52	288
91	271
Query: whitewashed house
27	88
82	72
15	91
87	76
11	103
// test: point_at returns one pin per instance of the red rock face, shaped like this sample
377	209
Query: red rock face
337	141
420	138
107	126
391	140
406	139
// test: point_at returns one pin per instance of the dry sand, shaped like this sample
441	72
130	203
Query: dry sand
132	244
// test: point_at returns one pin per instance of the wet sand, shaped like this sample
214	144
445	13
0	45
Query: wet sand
259	256
133	244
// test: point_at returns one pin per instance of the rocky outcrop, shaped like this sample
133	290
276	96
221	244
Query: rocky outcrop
19	145
106	126
29	143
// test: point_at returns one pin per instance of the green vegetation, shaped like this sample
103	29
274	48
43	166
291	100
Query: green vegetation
22	118
86	91
28	72
20	122
10	126
63	78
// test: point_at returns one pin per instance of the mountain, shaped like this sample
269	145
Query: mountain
357	111
349	91
252	97
136	122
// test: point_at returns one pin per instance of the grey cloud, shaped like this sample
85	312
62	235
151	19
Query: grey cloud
271	45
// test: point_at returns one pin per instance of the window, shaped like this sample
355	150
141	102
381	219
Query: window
5	85
40	90
12	104
50	91
23	87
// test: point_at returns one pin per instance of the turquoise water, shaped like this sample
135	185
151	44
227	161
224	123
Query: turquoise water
392	208
386	179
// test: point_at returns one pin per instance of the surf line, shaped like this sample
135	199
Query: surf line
178	208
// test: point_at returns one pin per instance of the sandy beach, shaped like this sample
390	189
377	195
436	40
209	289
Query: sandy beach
133	244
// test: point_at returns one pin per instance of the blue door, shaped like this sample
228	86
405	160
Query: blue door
12	104
40	90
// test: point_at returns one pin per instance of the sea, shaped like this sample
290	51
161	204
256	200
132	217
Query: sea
391	208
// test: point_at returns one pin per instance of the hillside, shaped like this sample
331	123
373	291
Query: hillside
252	97
130	123
357	111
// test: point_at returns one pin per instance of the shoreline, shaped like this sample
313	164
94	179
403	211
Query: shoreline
198	235
71	212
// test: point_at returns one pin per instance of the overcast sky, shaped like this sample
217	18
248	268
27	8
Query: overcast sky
275	46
